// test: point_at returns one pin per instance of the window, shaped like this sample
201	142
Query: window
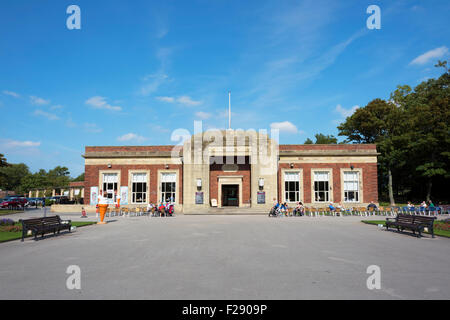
321	186
168	187
292	186
109	185
351	186
139	188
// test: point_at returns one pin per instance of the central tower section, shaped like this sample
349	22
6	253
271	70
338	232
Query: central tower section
229	168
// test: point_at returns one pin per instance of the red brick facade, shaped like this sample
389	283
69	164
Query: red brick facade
92	178
368	169
244	171
369	179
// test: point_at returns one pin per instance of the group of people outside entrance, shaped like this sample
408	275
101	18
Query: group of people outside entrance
163	209
284	209
166	208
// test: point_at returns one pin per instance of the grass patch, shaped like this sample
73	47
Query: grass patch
441	228
9	236
4	212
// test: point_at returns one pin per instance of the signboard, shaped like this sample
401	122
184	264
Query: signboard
77	191
124	195
199	198
261	198
94	196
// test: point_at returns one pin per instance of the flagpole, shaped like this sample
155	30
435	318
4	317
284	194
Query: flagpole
229	110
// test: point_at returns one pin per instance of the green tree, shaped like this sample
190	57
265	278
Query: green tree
13	175
322	139
375	123
3	162
79	178
427	131
58	177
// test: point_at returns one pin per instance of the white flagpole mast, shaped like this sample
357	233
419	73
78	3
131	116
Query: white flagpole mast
229	110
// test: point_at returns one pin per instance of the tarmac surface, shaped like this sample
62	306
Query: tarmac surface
226	257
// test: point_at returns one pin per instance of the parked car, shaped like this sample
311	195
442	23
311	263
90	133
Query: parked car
11	203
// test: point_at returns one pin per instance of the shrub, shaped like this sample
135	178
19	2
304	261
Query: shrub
11	228
444	226
6	222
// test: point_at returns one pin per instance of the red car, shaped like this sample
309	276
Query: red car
13	203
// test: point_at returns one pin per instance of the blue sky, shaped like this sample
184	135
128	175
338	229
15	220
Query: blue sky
137	70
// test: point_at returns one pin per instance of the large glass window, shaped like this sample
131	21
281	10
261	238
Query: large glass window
168	187
351	186
110	181
139	188
292	186
321	186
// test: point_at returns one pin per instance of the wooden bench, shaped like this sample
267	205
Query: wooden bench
44	225
411	222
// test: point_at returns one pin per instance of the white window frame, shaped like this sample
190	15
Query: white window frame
329	171
359	171
177	185
299	194
145	190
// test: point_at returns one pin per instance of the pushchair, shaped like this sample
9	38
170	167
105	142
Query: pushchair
274	212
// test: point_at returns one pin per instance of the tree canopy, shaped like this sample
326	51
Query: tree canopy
322	139
17	177
412	134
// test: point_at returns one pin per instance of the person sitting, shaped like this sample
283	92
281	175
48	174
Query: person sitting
332	207
283	208
410	205
149	207
171	209
424	204
161	209
372	206
299	209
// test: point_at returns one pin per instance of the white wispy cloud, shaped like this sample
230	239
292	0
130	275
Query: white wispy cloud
56	107
166	99
131	137
39	101
152	82
19	144
92	128
98	102
345	112
285	126
49	116
11	93
203	115
70	123
184	100
430	55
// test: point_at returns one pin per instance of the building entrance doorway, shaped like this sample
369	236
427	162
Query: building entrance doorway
230	195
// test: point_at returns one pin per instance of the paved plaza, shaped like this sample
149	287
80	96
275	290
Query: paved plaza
227	257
